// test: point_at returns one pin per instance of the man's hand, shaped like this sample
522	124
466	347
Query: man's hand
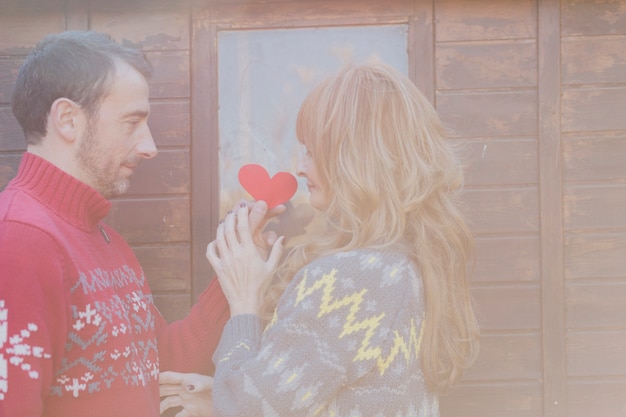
192	392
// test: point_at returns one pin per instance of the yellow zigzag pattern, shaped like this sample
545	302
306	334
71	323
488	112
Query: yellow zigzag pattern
369	325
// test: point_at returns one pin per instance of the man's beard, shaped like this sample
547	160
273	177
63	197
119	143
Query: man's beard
103	179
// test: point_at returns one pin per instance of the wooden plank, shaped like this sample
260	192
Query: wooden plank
173	306
168	173
205	145
507	357
596	305
489	113
168	268
593	17
8	167
550	191
76	15
499	162
508	307
9	68
171	74
502	210
511	259
599	158
595	60
596	398
274	14
593	109
487	64
170	123
11	134
23	24
150	28
422	48
596	353
595	255
520	399
485	19
148	221
594	206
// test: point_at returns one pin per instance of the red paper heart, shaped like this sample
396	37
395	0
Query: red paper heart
274	191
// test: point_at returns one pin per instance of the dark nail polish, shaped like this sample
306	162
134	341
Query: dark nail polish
242	205
191	387
229	212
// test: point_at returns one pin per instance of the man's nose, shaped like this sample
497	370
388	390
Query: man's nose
146	147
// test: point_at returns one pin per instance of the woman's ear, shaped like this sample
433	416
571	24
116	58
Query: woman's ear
65	119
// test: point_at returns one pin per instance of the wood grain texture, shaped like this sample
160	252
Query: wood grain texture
486	64
465	20
310	13
551	211
167	173
9	68
593	17
496	399
8	167
205	144
489	113
596	60
170	123
11	134
501	162
507	259
502	210
595	255
593	108
157	28
167	267
507	357
597	206
602	398
596	305
22	25
594	158
158	220
508	307
596	353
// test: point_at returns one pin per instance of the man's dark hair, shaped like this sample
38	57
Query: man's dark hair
78	65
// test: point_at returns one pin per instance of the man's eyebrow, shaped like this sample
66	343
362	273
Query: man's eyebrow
140	113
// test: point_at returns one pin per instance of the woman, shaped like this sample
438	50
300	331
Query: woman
372	316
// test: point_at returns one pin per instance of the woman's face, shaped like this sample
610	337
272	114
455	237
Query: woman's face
306	168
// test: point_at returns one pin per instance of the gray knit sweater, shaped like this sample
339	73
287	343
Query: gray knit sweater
345	341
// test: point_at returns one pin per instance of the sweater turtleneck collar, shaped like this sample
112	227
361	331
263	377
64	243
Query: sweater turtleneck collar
69	198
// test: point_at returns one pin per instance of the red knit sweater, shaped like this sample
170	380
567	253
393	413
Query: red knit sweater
79	332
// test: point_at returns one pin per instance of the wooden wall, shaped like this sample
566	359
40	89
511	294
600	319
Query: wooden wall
535	92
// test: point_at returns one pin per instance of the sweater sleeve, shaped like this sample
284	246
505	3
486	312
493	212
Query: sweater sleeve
328	331
33	317
187	345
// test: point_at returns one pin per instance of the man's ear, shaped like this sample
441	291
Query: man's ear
66	118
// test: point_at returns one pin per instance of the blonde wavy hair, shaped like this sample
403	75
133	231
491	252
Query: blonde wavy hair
381	151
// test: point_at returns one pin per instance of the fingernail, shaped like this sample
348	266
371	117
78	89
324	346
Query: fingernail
229	212
191	387
222	221
242	205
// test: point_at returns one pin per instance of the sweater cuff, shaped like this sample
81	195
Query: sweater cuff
242	330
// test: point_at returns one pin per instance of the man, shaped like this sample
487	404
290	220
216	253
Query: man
79	333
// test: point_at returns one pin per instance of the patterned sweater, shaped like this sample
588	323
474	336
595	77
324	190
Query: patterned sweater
345	341
79	332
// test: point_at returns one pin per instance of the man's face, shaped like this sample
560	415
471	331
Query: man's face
118	137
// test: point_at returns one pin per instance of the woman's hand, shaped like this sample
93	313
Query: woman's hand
240	268
192	392
259	216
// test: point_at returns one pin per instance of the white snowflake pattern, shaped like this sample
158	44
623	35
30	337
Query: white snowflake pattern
16	350
89	316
